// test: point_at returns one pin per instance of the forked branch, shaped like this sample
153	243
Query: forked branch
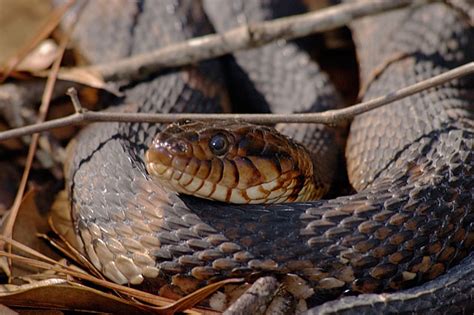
332	117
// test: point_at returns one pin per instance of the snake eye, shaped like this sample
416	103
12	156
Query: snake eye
219	144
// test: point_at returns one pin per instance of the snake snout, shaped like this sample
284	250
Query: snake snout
167	155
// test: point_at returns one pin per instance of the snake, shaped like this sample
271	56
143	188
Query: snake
411	162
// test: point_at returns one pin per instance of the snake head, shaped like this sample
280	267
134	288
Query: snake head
231	162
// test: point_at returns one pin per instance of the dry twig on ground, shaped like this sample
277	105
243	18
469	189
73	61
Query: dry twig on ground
240	38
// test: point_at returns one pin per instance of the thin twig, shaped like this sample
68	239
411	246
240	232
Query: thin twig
80	275
159	303
243	37
72	93
332	117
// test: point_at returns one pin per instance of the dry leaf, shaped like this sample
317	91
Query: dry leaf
52	21
57	294
30	222
83	75
39	58
61	221
6	311
18	21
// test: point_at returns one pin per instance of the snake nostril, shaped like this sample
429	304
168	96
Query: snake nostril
179	147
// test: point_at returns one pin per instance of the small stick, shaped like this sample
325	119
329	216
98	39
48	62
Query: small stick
332	117
240	38
72	93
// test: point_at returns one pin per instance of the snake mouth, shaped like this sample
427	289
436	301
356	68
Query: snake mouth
238	164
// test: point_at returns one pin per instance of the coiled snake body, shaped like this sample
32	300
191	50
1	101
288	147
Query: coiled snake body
411	162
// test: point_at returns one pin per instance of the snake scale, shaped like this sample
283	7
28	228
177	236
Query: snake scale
411	163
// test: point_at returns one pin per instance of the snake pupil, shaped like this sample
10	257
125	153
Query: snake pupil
218	144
